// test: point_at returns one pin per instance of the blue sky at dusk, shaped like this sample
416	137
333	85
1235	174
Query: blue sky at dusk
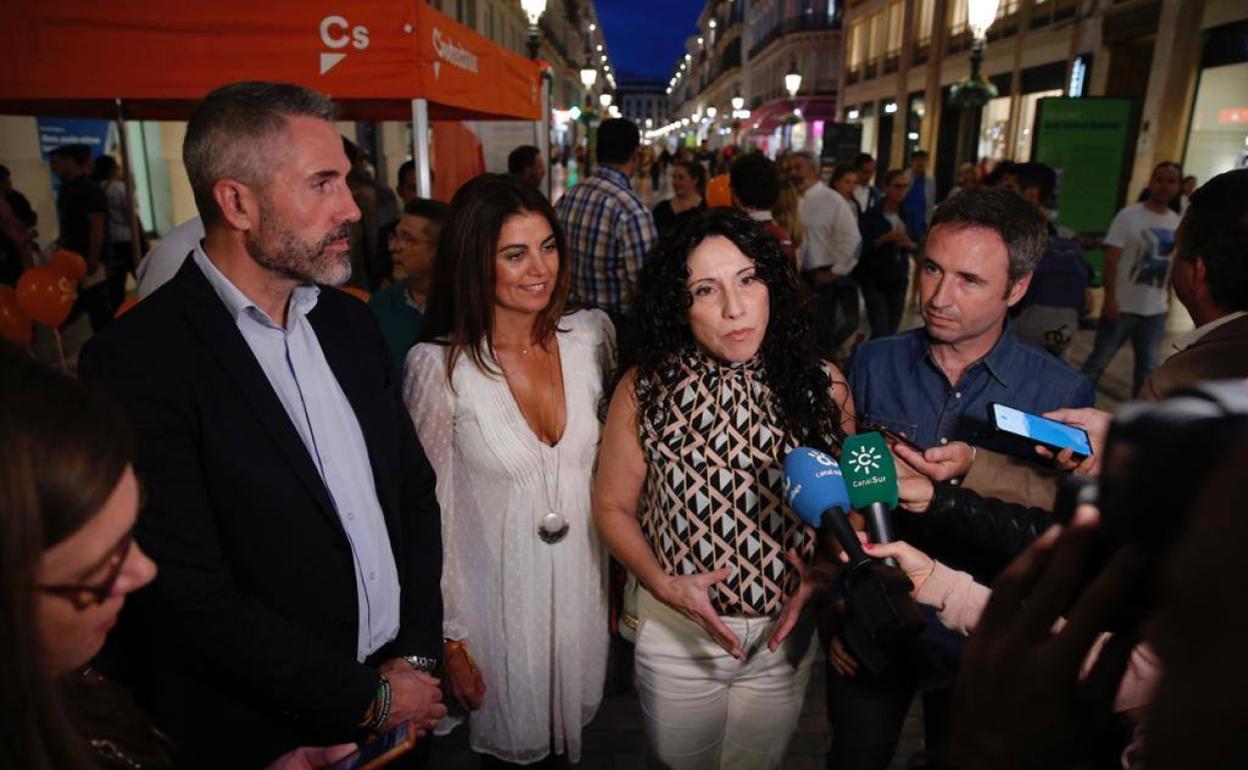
645	37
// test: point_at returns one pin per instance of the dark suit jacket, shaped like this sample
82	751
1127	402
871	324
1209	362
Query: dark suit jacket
251	624
1221	354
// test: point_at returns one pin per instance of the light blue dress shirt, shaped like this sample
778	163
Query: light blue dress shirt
295	366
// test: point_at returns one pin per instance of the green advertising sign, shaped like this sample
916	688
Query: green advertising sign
1086	141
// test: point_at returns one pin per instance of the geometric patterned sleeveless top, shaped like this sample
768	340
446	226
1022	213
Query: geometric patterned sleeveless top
714	490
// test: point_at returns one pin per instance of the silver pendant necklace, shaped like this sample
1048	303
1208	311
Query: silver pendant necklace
553	527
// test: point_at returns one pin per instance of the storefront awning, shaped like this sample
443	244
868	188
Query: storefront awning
776	113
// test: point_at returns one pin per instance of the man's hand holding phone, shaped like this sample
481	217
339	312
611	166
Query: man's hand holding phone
414	696
939	463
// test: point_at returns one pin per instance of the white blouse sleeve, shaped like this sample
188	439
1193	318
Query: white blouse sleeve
431	404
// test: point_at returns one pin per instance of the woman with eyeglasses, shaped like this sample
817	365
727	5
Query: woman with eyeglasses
884	268
68	504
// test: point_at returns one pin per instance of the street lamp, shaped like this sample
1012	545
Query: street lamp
793	80
589	75
974	92
605	99
710	112
649	123
738	102
534	10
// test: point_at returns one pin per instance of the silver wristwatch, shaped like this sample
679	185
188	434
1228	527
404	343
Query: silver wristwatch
423	663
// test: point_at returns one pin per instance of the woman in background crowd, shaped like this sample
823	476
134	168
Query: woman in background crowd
884	267
118	254
688	194
504	390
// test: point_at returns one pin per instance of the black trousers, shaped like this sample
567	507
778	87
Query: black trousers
836	307
886	302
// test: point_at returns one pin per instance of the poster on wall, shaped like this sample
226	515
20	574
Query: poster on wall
98	135
1087	142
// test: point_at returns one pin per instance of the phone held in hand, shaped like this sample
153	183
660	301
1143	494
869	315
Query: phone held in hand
1035	429
380	751
891	436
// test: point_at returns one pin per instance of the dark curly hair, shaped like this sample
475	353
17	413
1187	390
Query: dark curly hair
793	370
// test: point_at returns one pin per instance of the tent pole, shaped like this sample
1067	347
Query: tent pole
420	147
543	131
136	240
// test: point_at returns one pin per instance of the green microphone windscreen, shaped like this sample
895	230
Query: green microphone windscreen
869	471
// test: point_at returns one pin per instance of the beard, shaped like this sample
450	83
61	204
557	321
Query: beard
283	252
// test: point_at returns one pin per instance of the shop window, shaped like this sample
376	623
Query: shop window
1218	138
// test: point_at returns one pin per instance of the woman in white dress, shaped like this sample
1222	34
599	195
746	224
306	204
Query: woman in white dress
504	390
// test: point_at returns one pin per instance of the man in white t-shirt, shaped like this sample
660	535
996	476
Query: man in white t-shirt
1138	256
829	252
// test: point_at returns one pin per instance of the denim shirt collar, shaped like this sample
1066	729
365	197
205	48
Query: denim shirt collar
997	362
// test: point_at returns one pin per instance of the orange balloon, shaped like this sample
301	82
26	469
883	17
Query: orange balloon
719	191
125	306
357	292
69	264
15	325
46	296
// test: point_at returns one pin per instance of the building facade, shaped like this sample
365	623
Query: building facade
741	54
1183	64
642	101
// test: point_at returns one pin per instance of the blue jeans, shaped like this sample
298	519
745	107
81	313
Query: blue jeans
1145	333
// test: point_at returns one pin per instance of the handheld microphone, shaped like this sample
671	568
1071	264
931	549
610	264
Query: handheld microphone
882	618
816	490
871	478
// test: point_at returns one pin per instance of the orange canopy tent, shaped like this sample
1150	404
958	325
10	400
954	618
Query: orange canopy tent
152	59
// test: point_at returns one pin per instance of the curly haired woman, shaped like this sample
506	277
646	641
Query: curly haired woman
689	492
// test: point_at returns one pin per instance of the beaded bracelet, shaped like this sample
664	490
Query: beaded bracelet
383	707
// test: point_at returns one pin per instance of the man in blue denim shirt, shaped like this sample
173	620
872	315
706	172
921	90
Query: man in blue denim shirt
934	385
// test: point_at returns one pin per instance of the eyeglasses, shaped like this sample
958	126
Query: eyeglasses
83	595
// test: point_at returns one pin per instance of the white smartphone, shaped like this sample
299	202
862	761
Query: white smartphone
1041	430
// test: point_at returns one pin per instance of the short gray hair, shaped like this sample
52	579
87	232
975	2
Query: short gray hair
234	133
810	159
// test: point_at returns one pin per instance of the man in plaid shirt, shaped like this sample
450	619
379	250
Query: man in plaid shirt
608	228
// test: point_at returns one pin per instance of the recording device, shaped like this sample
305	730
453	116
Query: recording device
882	618
380	751
1157	459
1035	429
871	478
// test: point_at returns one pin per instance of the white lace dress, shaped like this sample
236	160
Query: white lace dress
534	614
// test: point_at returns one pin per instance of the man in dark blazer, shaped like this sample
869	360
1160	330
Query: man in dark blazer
1210	277
291	510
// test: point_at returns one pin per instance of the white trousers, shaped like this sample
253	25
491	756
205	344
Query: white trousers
704	709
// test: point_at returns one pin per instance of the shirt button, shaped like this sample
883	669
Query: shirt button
957	395
944	441
350	516
372	576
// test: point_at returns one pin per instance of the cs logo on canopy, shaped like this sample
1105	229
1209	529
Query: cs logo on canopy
337	33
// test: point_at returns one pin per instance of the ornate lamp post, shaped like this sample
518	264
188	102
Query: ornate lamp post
973	93
792	83
534	10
